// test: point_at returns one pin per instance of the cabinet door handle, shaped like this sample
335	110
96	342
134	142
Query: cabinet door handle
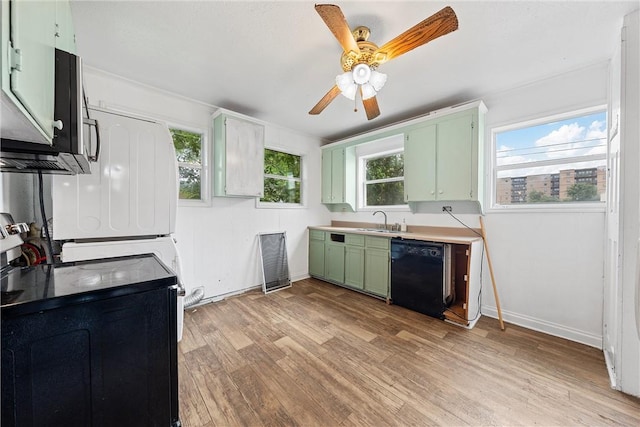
433	192
58	124
440	192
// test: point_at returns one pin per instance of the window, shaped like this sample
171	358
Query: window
282	178
384	180
381	173
552	162
190	154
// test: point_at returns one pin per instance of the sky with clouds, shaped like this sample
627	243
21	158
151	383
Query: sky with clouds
553	142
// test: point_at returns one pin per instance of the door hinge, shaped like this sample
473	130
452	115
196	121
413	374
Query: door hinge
15	58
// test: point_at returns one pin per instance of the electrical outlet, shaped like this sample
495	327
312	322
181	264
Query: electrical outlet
446	209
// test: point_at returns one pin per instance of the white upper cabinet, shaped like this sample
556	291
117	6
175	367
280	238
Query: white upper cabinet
239	157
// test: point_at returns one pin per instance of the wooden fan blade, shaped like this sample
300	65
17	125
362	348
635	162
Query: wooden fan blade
371	107
438	24
335	20
322	104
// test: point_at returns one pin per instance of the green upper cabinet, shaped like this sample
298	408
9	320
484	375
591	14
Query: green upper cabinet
29	62
238	146
456	164
31	31
420	164
65	33
443	159
333	176
338	177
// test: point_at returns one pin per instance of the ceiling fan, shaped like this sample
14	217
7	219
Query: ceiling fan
361	57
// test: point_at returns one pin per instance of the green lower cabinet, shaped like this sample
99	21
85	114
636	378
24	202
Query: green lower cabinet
354	267
334	262
376	273
354	260
316	258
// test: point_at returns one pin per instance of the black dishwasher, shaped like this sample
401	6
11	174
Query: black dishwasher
418	276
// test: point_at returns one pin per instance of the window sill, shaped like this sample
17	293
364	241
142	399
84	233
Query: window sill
578	208
192	203
265	205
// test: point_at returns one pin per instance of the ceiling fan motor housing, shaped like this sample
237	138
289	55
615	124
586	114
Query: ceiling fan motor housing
351	59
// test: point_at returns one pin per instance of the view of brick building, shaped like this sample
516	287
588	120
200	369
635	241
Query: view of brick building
548	187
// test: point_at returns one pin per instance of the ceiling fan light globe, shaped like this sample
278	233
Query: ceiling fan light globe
377	80
350	91
368	91
361	73
343	80
346	85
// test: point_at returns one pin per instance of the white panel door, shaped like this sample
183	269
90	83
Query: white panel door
132	190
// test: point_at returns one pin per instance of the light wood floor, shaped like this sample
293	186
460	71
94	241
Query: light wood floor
321	355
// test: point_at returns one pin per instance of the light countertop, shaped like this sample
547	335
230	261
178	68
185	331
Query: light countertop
425	233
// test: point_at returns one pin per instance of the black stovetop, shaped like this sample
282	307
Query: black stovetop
44	287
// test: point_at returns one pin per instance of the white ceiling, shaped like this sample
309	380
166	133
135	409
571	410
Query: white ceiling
273	60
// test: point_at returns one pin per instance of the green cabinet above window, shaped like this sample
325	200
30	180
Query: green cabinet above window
339	178
442	157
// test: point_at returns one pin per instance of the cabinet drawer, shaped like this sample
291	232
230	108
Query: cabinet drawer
316	235
377	242
354	239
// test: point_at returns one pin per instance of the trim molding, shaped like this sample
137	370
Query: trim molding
546	327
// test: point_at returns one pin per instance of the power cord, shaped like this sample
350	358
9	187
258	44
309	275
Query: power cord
45	225
456	218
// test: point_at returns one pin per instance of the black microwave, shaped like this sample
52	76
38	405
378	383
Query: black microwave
68	153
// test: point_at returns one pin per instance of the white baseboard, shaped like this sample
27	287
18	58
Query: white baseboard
546	327
300	277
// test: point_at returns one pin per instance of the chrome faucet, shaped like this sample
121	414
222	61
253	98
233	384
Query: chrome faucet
385	218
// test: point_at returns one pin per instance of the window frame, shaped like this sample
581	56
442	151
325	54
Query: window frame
303	160
205	173
376	149
492	191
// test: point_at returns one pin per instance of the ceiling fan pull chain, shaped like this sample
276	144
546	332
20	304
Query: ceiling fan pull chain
355	104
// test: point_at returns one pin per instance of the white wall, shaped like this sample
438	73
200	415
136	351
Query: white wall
20	196
218	240
548	265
